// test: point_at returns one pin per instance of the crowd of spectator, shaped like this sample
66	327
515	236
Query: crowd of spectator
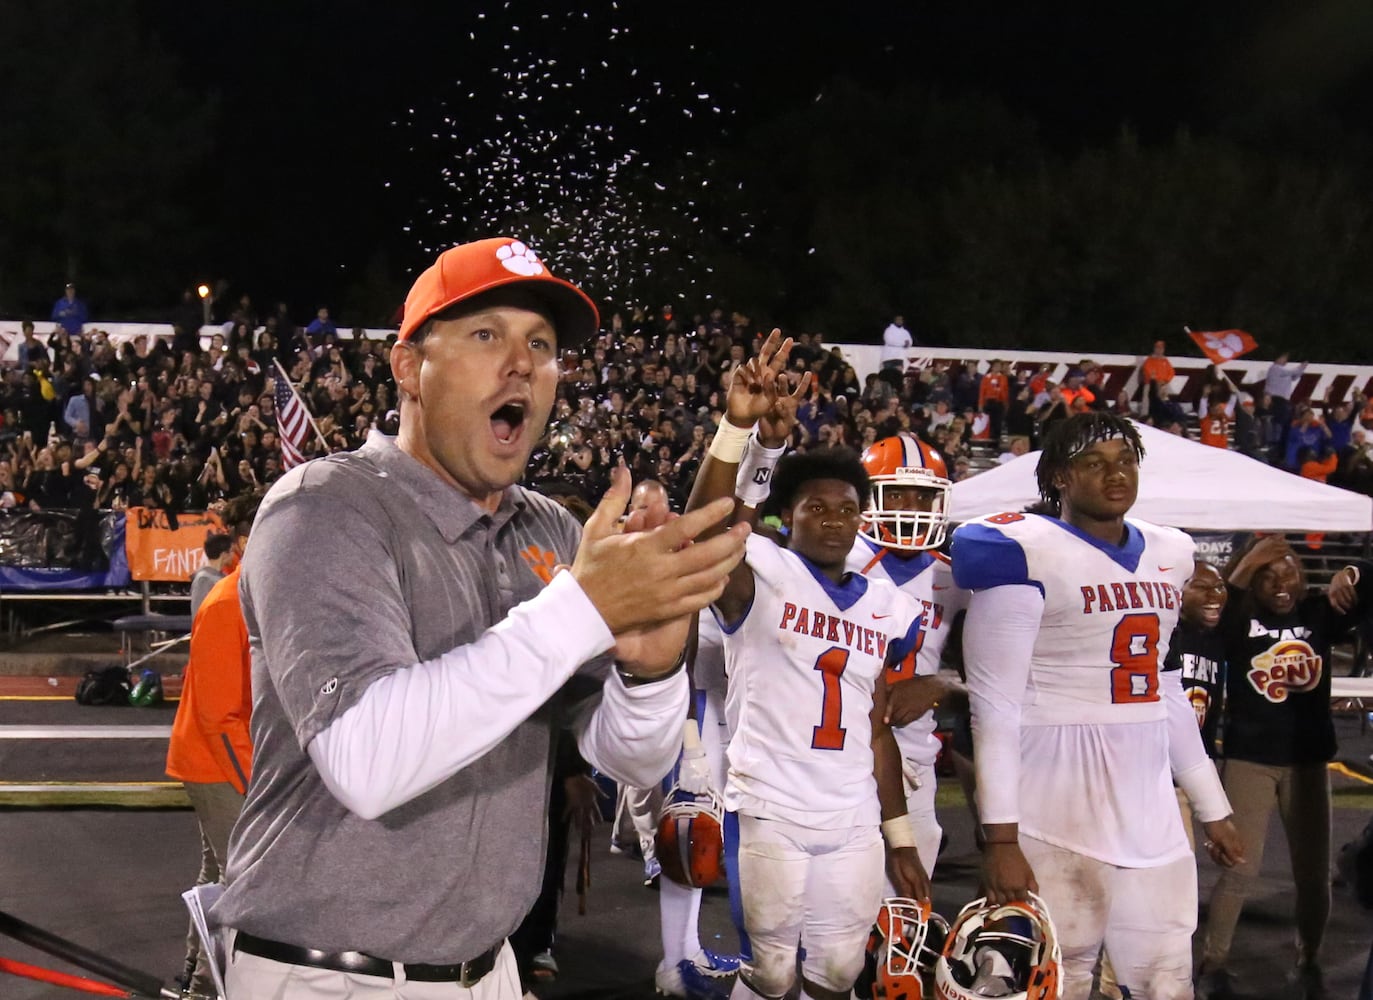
180	424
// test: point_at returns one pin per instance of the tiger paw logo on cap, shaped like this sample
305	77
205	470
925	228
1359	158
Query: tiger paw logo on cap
520	259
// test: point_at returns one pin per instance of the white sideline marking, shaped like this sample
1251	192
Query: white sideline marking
85	732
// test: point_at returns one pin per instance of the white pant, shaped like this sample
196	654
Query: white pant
820	887
254	978
1144	916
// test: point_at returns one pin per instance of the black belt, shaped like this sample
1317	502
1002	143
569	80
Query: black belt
463	973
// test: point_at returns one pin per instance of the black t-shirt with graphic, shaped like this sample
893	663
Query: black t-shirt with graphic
1199	653
1278	685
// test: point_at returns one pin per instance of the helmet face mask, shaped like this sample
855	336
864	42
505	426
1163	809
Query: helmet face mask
909	510
1008	951
899	949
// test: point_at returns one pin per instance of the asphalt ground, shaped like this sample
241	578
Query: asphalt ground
110	878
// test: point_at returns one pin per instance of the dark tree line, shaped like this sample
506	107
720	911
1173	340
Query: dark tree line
950	209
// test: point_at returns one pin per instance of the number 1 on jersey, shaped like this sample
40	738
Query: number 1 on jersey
1134	648
829	735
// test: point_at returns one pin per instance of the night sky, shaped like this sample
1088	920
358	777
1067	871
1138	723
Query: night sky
332	136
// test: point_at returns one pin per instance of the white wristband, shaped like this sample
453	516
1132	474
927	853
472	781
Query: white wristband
691	737
897	832
754	480
729	442
1353	572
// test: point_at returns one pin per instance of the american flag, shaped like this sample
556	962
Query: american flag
293	424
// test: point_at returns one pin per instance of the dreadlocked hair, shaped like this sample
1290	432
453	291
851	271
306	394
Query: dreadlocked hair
800	467
1071	437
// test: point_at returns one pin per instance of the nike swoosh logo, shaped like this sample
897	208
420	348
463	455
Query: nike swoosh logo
875	617
939	586
1165	569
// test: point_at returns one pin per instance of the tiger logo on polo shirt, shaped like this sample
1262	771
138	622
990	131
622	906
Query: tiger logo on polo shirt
542	562
1286	667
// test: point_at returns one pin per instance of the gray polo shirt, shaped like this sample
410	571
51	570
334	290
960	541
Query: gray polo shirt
361	564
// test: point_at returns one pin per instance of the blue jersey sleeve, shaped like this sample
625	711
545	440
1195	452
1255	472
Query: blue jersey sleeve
900	648
983	557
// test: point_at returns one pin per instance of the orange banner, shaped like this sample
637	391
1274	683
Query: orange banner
1223	346
157	551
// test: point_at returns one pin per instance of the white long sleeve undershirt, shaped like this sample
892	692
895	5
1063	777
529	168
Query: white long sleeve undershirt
418	726
998	642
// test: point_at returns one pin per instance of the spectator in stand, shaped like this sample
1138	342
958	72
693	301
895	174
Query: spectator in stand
321	326
1053	409
1020	413
31	349
1279	383
80	412
1123	406
896	344
1163	408
994	397
187	321
1020	445
965	386
1307	431
1317	465
69	312
1094	381
943	416
1356	464
1156	369
1340	419
1075	389
1215	426
1248	430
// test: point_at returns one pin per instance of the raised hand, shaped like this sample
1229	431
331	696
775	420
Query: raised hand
755	384
774	426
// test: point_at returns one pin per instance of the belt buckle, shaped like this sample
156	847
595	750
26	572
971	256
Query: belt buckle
465	978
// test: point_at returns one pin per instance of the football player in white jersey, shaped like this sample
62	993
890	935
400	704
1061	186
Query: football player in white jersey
1079	736
814	782
905	524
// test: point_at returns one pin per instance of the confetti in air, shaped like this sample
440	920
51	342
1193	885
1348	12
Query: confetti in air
547	138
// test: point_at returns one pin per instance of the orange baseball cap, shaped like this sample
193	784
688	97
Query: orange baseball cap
470	269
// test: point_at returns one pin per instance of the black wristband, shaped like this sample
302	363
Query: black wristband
634	680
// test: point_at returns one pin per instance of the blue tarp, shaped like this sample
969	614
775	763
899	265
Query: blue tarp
59	578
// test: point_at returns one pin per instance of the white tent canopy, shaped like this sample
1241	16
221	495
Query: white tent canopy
1189	485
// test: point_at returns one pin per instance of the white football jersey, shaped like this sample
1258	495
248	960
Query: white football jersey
1095	775
802	664
927	577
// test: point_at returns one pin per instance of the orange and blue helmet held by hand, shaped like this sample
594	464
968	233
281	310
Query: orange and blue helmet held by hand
691	843
903	948
1008	951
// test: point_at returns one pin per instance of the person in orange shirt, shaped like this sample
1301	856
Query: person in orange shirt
994	396
210	752
1215	426
1075	393
1156	367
